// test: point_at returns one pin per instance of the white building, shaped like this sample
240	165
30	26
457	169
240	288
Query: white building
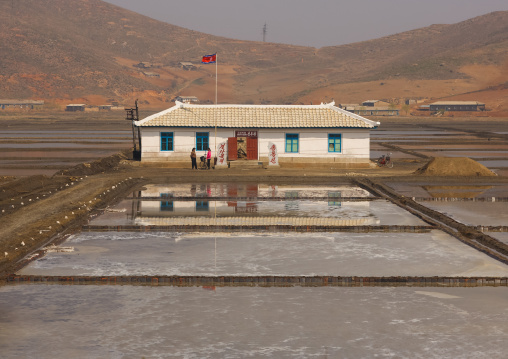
302	134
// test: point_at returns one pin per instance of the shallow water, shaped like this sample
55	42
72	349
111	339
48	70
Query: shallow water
378	212
239	254
474	213
41	321
94	321
467	153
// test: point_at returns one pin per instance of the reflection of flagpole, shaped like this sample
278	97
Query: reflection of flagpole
215	239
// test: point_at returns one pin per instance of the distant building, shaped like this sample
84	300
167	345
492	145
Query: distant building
187	99
75	107
186	65
375	103
151	74
105	107
144	65
371	111
20	104
457	106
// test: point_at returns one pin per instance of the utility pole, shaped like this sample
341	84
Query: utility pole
264	32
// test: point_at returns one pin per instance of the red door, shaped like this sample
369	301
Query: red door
232	149
252	148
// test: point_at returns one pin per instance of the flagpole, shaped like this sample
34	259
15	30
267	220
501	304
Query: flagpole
215	116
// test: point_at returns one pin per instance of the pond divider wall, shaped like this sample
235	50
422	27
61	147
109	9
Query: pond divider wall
264	281
256	228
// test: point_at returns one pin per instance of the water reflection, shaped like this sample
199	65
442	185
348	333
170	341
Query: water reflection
228	200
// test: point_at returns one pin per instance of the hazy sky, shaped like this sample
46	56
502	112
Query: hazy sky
314	23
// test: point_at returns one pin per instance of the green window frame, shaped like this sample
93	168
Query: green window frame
335	142
202	141
166	141
292	143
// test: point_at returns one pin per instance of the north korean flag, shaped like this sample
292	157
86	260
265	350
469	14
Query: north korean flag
209	59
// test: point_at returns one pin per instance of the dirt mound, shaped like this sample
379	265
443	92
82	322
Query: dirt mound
457	166
98	166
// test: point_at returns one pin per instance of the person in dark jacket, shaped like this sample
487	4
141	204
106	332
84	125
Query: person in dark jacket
193	159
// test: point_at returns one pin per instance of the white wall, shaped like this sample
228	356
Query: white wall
313	143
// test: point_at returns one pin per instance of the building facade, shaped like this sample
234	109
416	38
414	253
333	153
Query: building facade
457	106
302	134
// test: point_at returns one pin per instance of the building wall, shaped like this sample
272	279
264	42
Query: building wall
313	144
457	107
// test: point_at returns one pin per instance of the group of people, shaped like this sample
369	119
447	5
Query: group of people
193	158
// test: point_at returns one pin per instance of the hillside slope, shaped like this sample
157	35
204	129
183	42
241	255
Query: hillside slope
70	50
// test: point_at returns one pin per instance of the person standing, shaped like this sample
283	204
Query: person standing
193	159
208	157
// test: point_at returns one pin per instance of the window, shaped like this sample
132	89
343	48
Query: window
202	143
334	199
292	142
166	206
334	142
202	206
166	141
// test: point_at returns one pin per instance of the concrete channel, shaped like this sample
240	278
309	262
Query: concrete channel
258	228
264	281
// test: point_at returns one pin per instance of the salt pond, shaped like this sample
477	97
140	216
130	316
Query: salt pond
41	321
340	254
94	321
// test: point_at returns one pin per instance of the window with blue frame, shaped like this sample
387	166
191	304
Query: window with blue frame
166	141
166	206
334	199
292	142
334	142
202	141
202	206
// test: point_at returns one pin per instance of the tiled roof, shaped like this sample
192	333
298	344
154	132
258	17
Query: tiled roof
256	116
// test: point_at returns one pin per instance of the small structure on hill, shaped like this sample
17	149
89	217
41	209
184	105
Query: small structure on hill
375	103
151	74
186	65
187	99
457	106
303	135
144	65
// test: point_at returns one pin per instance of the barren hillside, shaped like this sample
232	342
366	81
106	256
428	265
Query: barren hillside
84	50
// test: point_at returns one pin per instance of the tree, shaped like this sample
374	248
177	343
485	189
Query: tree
406	108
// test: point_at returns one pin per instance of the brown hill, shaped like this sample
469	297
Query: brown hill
84	50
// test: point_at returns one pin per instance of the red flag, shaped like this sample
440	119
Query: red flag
209	59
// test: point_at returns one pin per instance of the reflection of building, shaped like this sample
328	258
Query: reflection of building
240	204
303	134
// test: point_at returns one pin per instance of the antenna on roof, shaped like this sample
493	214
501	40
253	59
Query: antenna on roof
264	32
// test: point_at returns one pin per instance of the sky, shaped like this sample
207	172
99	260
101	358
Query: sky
314	23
